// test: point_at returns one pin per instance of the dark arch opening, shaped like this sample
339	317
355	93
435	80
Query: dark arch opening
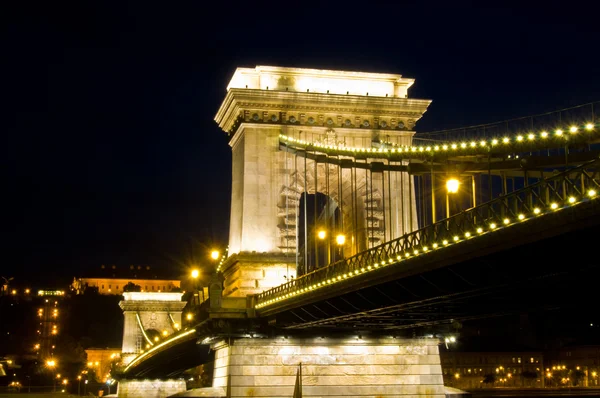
318	212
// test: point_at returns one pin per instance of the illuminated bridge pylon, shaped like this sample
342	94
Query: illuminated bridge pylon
295	210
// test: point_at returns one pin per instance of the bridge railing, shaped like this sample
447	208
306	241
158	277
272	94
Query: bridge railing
549	194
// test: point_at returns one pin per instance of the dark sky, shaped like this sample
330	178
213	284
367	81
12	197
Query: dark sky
110	154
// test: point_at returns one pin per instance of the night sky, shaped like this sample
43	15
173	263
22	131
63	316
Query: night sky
110	154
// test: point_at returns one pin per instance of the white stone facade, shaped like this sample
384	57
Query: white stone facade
330	367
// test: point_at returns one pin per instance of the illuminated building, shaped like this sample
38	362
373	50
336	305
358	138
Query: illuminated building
112	279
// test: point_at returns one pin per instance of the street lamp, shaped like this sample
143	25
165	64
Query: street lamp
215	254
451	187
195	274
340	239
51	363
321	234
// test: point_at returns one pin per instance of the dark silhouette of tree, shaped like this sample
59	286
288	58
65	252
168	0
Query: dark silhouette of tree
132	287
489	378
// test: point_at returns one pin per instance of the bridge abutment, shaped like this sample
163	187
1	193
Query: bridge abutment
352	367
150	388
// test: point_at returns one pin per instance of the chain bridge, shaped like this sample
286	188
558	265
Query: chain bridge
350	234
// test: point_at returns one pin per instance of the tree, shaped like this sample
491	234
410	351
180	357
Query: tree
132	287
578	376
489	378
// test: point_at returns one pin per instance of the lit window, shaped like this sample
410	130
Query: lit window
531	359
519	360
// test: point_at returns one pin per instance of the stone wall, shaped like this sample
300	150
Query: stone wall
330	367
150	388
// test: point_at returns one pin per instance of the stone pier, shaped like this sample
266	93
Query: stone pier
354	367
150	388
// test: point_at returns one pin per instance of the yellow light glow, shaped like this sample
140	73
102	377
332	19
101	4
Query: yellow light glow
493	225
505	140
214	254
176	325
559	132
156	338
340	239
553	206
544	134
591	193
573	129
165	333
572	199
494	142
455	238
589	126
195	273
467	234
521	216
479	230
435	245
321	234
452	185
519	138
536	210
506	221
531	136
445	242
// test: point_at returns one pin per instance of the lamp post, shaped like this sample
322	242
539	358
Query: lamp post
195	275
321	235
340	240
51	363
79	385
451	187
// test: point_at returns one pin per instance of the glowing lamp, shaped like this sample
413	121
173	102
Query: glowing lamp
452	185
340	239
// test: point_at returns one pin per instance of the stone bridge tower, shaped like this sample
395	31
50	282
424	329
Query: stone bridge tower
149	317
266	105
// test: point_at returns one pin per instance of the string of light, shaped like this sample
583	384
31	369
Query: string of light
472	147
419	250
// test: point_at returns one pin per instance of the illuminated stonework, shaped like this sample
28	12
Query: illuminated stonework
150	388
148	315
352	367
351	109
